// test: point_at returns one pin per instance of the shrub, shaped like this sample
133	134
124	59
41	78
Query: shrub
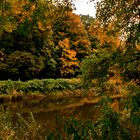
43	86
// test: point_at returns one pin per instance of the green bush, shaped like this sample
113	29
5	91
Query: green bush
106	127
43	86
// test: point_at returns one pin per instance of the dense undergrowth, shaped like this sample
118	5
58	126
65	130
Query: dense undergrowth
41	86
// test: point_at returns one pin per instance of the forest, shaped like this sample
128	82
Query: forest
67	65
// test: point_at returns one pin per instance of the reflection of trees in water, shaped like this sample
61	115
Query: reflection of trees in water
28	126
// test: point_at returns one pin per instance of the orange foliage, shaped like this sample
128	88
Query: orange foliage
41	26
115	105
138	47
18	8
68	58
105	36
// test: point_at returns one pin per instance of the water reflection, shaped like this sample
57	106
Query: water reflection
46	121
32	121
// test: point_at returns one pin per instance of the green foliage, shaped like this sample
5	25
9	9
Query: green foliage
42	86
122	11
23	129
87	20
130	62
28	127
76	129
133	103
108	126
38	30
71	27
6	129
22	65
40	39
96	67
110	61
127	29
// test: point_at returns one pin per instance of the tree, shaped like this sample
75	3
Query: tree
124	60
87	20
33	12
21	65
72	28
68	63
46	30
124	14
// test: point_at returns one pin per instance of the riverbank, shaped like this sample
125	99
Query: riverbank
54	93
59	100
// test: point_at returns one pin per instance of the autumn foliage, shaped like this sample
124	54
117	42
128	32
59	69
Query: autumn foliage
40	40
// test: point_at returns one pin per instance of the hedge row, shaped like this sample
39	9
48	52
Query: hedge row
43	86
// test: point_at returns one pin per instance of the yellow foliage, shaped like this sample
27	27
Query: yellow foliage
105	35
40	26
19	12
9	27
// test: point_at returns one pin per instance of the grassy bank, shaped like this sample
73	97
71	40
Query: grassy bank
52	90
43	86
38	89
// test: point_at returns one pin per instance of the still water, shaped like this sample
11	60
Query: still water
39	117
